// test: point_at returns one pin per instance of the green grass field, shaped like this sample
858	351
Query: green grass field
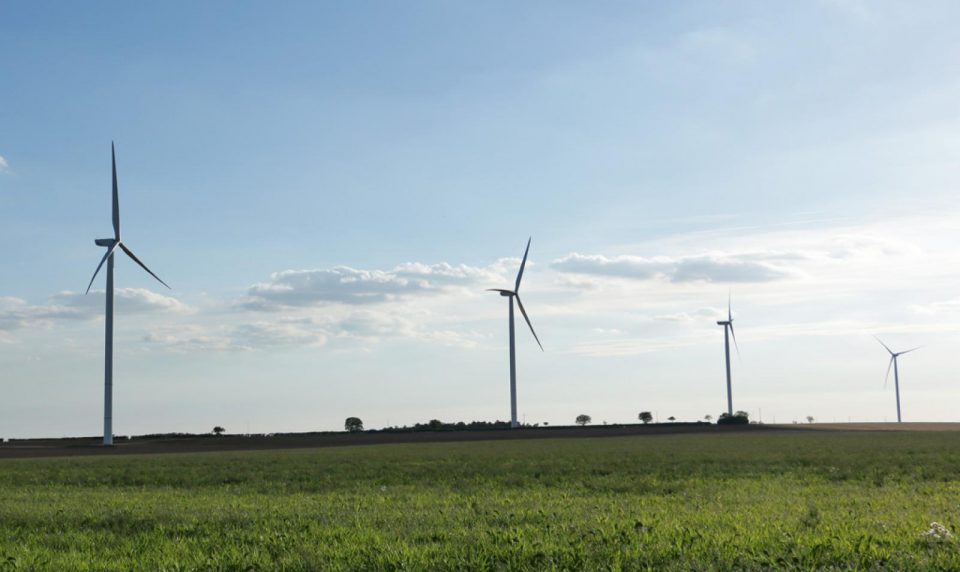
758	500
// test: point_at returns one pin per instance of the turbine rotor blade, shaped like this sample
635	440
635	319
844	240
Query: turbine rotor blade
729	308
99	266
502	291
142	265
910	350
522	264
883	344
889	367
116	195
524	312
734	336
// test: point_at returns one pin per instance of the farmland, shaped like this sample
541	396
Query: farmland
713	500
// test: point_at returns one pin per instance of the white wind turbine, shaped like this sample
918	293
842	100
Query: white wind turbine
896	373
514	294
727	333
112	244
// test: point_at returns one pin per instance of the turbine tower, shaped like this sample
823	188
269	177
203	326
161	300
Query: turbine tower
515	294
896	373
727	333
112	244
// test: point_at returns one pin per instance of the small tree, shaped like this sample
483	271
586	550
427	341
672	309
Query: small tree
708	417
583	419
645	416
353	424
671	418
809	418
218	430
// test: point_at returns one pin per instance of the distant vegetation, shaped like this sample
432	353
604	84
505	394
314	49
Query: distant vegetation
645	417
789	500
738	418
353	424
583	419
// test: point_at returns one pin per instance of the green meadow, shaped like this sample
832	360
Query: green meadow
804	500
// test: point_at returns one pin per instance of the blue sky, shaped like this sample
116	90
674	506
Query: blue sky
330	187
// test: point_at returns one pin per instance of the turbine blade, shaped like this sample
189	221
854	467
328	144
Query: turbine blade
734	336
142	265
522	264
116	195
524	312
883	344
99	266
729	309
500	290
889	367
910	350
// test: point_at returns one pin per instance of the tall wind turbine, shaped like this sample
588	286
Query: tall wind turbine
896	373
727	333
515	294
112	244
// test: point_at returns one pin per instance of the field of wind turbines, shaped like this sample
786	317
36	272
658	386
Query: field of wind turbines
255	257
673	496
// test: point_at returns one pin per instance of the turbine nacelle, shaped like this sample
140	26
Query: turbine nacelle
502	291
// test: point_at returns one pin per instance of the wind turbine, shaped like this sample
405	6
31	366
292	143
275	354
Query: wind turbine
896	373
727	333
515	294
112	244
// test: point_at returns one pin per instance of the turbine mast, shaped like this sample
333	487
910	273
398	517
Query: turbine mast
896	385
108	360
513	370
726	348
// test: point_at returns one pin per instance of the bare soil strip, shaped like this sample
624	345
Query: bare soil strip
203	443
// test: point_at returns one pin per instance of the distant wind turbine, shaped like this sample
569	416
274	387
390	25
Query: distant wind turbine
112	244
515	293
896	373
727	333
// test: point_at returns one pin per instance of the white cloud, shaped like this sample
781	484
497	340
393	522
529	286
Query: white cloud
342	284
3	164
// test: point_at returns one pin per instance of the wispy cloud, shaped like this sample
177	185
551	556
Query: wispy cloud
705	268
242	337
16	313
3	164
